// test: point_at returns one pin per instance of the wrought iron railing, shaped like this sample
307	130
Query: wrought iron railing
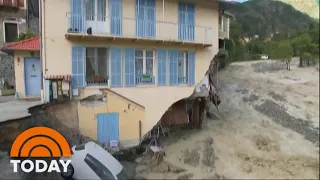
132	28
145	80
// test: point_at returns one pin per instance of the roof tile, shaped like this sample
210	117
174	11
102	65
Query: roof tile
31	44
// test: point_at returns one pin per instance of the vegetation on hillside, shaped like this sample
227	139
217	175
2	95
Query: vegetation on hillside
266	18
282	34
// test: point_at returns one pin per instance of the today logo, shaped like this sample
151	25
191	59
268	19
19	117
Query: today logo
37	143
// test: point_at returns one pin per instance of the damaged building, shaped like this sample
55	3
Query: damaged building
130	63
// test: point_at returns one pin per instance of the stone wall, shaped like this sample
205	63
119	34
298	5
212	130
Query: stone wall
7	68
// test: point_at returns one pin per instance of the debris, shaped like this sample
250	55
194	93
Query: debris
191	158
186	176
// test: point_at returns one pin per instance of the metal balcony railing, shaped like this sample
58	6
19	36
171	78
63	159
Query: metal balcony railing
97	81
145	80
182	80
132	28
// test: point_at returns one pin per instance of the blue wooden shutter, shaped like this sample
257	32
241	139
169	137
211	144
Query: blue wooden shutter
190	18
47	90
116	17
162	67
173	55
116	66
129	66
77	16
181	21
150	18
139	17
77	59
186	21
191	68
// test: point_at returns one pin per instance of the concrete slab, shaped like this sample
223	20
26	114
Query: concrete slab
14	109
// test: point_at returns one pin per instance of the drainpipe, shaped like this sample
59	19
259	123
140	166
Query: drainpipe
41	53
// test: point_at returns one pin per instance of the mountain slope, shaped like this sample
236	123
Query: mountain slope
267	17
310	7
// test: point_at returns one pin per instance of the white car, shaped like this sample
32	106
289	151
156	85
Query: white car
91	161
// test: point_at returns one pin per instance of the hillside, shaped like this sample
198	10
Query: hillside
310	7
267	17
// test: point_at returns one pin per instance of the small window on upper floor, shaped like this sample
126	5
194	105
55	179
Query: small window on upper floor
10	31
144	66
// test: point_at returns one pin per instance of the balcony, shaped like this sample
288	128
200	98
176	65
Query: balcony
223	34
126	29
9	3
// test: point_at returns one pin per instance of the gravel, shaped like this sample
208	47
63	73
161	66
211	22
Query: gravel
277	97
251	98
279	115
263	67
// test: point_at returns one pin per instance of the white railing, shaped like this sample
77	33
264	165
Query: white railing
223	34
131	28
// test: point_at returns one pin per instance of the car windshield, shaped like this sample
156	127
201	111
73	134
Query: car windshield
97	167
122	175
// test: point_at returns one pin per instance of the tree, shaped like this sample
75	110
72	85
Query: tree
303	44
284	52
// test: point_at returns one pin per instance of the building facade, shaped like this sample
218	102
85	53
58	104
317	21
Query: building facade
141	55
16	16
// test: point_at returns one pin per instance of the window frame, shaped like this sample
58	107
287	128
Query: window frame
95	9
144	60
221	25
185	67
10	21
96	59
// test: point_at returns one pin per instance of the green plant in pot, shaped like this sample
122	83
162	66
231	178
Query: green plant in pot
146	77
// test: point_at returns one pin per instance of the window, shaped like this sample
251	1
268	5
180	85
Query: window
182	67
221	22
96	10
96	66
186	21
10	31
144	66
146	18
100	170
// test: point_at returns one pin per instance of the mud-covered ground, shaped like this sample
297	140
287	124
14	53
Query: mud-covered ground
267	127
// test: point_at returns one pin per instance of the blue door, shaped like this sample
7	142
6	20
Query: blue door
32	74
108	127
